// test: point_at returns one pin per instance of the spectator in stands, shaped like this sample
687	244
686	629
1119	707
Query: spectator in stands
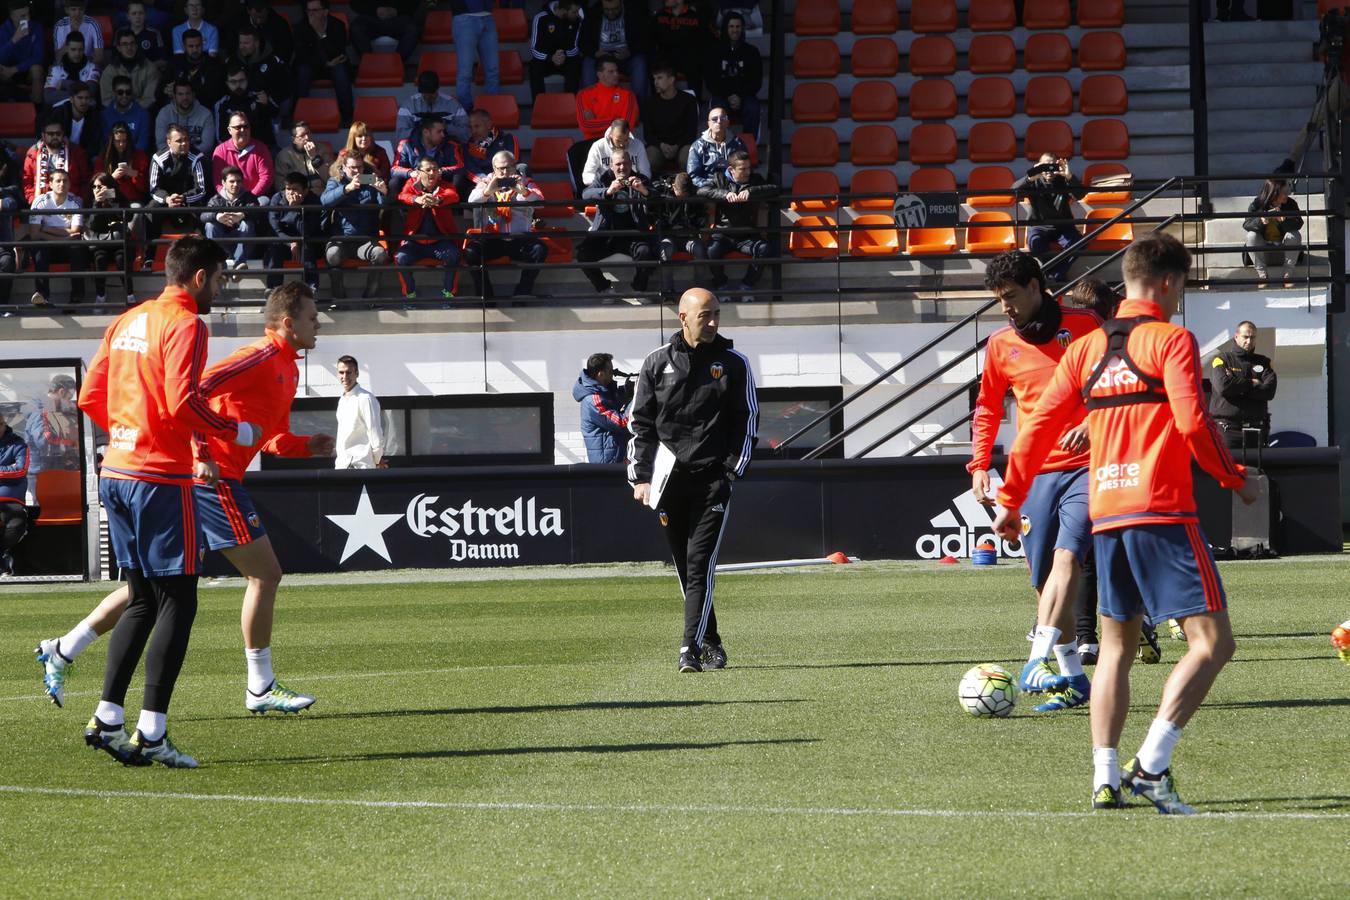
305	156
256	106
712	149
603	102
129	62
76	114
126	164
355	198
740	194
205	73
484	143
1095	295
621	29
321	52
735	75
475	40
177	179
427	100
682	34
126	111
53	152
1273	227
224	226
1051	188
149	40
11	199
429	228
110	233
190	114
361	144
13	482
251	156
553	46
669	121
604	427
429	142
505	229
22	52
273	30
679	224
620	196
299	231
384	18
269	76
51	221
618	139
71	68
76	22
195	10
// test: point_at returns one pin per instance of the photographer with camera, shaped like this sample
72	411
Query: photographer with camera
1333	97
1050	188
604	427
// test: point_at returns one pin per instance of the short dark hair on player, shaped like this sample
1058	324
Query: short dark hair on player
1093	294
1154	257
286	300
190	254
598	362
1013	267
349	361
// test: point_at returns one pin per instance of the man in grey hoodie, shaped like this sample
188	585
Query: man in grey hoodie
186	111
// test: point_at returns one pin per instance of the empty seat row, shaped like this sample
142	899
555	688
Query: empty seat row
823	17
989	97
989	54
986	186
934	143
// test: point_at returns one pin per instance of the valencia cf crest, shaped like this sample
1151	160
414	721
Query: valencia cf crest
1064	337
1026	526
716	370
665	519
253	520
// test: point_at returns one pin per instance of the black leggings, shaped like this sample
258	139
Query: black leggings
165	605
13	524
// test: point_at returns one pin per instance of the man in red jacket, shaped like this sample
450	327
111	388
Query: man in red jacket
430	227
54	152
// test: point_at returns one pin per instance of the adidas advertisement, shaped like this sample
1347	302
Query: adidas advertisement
963	526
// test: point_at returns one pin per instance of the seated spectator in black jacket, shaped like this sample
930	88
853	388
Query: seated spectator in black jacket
1273	227
269	76
505	229
204	72
739	193
223	226
149	38
669	122
273	29
114	235
1051	188
621	29
679	225
321	52
620	196
11	199
177	179
553	46
735	75
83	124
384	18
681	36
299	231
256	106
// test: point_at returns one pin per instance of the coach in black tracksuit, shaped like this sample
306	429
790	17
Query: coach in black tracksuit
695	395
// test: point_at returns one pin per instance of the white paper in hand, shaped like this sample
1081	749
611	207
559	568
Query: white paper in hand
661	469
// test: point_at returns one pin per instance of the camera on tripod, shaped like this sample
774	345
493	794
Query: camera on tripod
1331	40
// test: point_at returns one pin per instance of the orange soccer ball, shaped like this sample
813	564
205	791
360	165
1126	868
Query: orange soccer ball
1340	636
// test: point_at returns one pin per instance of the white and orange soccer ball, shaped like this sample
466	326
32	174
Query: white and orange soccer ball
988	690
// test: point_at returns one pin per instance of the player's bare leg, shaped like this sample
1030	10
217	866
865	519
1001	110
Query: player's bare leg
257	562
56	654
1110	705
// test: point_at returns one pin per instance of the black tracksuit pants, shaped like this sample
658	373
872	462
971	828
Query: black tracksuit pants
693	510
166	606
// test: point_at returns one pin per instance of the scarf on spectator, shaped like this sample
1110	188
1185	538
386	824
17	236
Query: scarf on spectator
479	149
48	161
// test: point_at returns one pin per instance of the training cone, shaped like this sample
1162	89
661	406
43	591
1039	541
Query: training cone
838	558
947	561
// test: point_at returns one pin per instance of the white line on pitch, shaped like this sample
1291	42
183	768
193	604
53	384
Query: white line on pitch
469	806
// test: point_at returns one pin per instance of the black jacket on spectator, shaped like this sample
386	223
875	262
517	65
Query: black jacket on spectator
260	116
549	34
637	28
1289	209
287	221
684	216
626	211
674	121
735	69
1233	398
91	136
267	73
315	51
682	39
1050	203
186	175
276	34
217	201
206	77
738	217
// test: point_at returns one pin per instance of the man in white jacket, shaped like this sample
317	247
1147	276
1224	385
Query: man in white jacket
618	139
360	437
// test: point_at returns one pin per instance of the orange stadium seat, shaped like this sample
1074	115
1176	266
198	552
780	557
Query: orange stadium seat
814	237
503	108
105	28
873	235
991	142
991	54
511	26
549	154
18	120
558	110
58	492
1108	196
874	145
439	27
931	180
990	178
1100	51
380	70
932	98
929	55
1105	139
1048	14
815	145
874	181
930	16
930	241
1048	95
751	147
1101	14
819	17
992	15
1103	95
379	113
1047	53
991	97
1115	237
1325	6
815	101
320	112
874	57
806	184
443	62
1052	136
990	232
816	58
875	17
510	70
932	143
559	193
874	101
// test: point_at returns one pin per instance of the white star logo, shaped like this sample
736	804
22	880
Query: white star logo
365	528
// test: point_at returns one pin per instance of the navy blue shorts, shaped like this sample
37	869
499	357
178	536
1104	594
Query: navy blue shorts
227	515
1165	571
1055	517
153	527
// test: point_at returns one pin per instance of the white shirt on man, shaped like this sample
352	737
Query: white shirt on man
64	221
360	437
603	150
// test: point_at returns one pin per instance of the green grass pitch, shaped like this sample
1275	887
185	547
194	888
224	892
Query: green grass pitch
531	737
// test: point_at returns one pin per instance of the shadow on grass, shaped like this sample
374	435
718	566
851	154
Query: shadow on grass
882	664
588	706
1296	804
656	747
1289	703
1330	657
1283	634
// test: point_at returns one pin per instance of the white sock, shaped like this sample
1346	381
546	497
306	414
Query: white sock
1070	663
1045	639
1155	756
260	675
80	637
151	725
1105	767
110	713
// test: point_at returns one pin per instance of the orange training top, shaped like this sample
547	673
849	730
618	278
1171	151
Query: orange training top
1141	452
607	104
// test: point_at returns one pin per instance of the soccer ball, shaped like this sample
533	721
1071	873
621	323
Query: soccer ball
988	690
1340	639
